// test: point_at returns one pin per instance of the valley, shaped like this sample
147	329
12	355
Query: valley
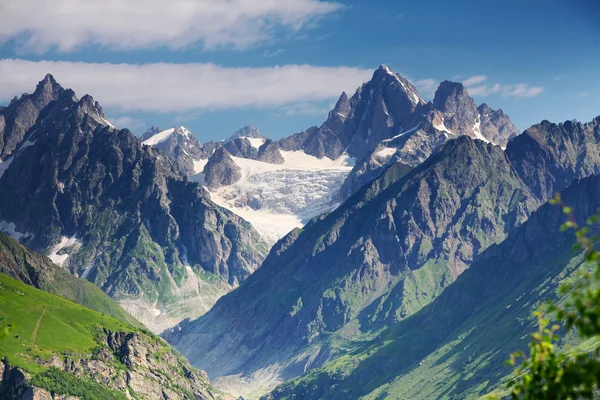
299	200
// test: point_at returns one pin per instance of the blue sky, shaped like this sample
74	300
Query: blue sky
214	66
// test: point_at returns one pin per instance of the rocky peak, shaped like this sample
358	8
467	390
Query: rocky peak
153	130
88	105
249	131
269	152
22	113
455	112
48	86
179	144
495	125
485	109
450	96
339	114
221	170
381	108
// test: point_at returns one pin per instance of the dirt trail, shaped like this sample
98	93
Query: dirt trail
37	326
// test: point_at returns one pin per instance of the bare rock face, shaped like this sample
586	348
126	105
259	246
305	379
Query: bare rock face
151	371
120	214
456	107
22	114
496	125
241	147
220	170
269	152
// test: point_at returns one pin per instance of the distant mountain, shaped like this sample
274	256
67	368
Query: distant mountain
250	175
382	255
384	122
179	144
248	131
118	213
457	346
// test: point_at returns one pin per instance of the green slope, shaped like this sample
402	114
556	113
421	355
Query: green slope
34	326
65	348
457	346
37	270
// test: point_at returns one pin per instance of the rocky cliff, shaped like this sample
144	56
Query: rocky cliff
121	214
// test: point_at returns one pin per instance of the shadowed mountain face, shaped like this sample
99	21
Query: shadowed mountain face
120	214
457	346
381	256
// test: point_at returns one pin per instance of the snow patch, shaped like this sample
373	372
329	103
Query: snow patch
107	122
164	135
402	134
276	198
441	127
65	242
199	165
387	152
254	142
27	143
477	130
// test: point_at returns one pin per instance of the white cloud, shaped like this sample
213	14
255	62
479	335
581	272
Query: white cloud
426	86
40	25
473	80
166	87
304	109
273	53
519	90
128	122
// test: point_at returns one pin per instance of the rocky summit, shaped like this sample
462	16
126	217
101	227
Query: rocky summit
386	121
116	212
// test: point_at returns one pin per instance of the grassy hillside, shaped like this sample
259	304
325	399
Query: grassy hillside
35	324
457	346
68	349
37	270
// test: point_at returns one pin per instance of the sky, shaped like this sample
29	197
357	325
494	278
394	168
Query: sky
217	65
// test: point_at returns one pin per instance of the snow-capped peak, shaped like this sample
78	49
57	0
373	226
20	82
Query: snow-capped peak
164	135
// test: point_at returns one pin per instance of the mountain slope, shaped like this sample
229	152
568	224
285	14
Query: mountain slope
48	343
377	259
37	270
122	216
457	346
380	257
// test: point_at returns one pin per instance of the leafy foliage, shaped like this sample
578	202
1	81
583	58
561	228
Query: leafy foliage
59	382
547	374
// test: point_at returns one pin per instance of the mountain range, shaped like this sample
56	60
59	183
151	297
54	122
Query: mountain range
395	251
115	212
302	176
